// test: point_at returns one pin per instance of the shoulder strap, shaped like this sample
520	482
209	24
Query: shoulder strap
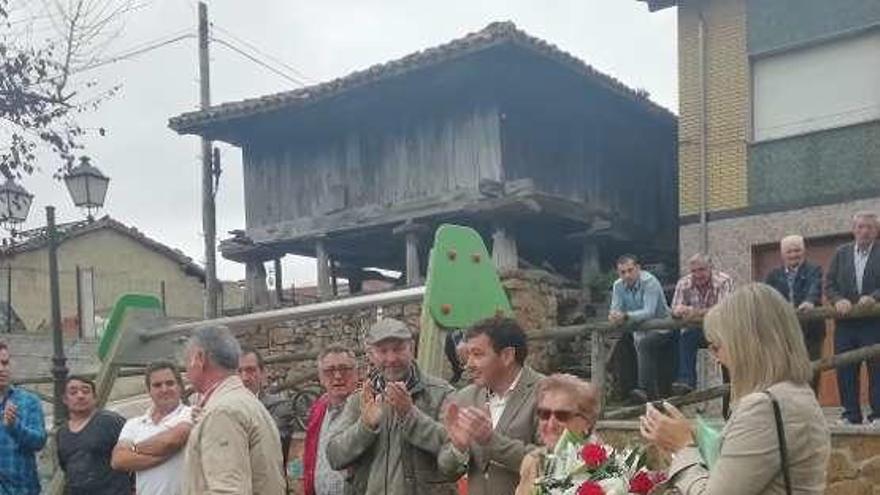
783	448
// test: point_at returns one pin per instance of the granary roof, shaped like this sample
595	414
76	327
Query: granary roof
35	239
493	35
654	5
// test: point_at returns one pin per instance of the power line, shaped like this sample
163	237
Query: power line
257	61
257	49
133	53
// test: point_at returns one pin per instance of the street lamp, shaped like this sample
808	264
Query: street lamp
15	203
87	186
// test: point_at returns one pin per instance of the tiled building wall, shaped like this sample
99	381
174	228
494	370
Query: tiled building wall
727	83
731	240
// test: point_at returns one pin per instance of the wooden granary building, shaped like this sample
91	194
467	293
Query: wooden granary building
555	163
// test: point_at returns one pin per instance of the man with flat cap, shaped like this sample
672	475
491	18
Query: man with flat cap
389	433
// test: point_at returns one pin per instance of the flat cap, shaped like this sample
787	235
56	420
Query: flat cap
388	328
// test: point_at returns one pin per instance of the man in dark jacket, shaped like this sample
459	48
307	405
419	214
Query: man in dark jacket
854	280
800	282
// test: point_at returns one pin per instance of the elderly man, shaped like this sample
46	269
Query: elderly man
252	370
338	374
800	282
854	279
23	433
638	296
235	446
151	445
389	434
695	294
489	443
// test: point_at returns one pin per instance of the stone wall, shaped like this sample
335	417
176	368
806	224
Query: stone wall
853	469
731	240
540	302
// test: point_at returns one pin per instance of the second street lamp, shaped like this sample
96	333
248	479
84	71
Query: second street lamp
87	186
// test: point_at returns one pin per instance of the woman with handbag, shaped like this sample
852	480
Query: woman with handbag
776	440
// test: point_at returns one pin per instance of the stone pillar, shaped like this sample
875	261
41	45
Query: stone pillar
279	283
255	280
590	266
412	232
504	252
325	290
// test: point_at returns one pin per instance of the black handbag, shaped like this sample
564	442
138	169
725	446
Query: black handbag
783	448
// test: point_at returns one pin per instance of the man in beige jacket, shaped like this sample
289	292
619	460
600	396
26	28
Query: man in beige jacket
492	423
235	446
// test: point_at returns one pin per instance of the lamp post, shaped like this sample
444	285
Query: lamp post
88	188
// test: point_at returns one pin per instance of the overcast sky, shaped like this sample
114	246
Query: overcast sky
155	176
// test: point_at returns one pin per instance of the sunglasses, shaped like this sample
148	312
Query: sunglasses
563	416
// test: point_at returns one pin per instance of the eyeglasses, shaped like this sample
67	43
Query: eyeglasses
563	416
342	370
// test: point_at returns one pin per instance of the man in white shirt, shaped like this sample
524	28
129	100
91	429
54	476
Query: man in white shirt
491	423
150	445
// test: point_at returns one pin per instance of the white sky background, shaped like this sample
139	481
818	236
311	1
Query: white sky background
155	174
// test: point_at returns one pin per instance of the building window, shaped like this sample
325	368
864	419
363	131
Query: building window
825	86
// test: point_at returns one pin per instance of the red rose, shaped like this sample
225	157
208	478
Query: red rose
590	488
641	483
594	455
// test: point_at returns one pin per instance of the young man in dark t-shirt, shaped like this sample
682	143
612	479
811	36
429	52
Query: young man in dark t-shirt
85	444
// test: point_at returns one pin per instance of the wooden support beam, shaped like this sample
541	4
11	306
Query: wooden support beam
325	291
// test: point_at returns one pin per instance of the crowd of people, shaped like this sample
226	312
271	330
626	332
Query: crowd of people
397	430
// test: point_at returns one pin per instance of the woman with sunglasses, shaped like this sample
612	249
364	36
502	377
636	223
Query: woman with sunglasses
776	440
565	402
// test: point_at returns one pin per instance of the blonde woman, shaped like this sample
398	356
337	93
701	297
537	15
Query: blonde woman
755	334
565	402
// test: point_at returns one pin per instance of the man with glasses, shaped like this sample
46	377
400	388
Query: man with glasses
252	370
337	372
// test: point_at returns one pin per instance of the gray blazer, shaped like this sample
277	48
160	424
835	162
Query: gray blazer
749	462
493	469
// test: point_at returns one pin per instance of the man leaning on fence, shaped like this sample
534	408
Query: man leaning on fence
638	296
22	435
854	280
695	294
390	434
800	283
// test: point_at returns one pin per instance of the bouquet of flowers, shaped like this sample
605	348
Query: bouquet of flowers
580	465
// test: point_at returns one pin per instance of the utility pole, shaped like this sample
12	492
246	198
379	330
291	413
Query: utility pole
209	221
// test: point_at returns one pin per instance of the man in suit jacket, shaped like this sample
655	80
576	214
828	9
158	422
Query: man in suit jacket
854	279
492	423
800	283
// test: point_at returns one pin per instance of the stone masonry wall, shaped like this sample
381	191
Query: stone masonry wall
539	300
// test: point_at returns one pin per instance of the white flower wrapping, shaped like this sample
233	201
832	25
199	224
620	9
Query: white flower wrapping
563	471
